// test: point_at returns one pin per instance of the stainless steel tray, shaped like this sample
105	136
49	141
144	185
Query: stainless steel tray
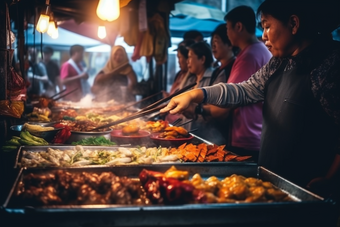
115	147
311	210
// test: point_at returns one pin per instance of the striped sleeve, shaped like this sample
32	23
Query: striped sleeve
244	93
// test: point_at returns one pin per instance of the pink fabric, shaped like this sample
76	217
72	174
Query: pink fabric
247	120
68	71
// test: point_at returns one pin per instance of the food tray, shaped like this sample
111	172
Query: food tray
114	147
311	210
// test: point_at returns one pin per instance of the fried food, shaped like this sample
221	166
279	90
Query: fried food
174	132
239	188
130	129
206	153
156	126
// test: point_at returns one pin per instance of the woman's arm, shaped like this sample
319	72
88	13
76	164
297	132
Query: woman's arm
227	95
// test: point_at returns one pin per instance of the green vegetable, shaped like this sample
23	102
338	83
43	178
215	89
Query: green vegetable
94	141
13	142
26	136
9	148
69	118
75	157
30	142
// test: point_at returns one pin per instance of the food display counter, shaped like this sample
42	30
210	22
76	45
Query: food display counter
36	165
305	208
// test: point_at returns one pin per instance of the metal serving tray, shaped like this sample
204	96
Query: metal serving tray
310	210
67	147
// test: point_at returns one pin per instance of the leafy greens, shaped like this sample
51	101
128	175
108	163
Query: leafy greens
94	141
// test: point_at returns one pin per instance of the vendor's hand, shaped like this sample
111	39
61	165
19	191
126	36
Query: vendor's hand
177	104
181	102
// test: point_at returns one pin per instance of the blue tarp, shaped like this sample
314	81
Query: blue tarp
180	24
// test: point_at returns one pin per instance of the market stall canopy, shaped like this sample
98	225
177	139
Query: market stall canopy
197	10
89	30
64	41
180	24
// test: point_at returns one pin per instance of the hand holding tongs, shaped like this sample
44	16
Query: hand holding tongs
131	117
147	110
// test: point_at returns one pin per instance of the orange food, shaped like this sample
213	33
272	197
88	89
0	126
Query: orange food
130	129
43	102
205	153
156	126
174	132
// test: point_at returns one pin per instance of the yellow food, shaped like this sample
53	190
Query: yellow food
36	128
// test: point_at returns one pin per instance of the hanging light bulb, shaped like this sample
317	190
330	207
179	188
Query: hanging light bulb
101	32
43	22
108	9
55	34
51	26
44	19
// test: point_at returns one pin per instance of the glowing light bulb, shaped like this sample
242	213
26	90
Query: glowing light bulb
55	34
108	9
51	28
101	32
43	22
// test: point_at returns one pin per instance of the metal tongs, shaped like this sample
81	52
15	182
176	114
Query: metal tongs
147	110
135	103
62	96
131	117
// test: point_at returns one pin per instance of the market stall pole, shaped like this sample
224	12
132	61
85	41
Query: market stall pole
3	67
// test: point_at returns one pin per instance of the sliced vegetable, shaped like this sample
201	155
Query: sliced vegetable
94	141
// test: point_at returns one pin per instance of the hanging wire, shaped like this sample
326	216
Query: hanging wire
32	65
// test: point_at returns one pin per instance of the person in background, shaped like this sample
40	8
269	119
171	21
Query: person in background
246	126
245	122
222	50
193	34
181	75
117	80
37	74
72	72
300	90
199	65
53	72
